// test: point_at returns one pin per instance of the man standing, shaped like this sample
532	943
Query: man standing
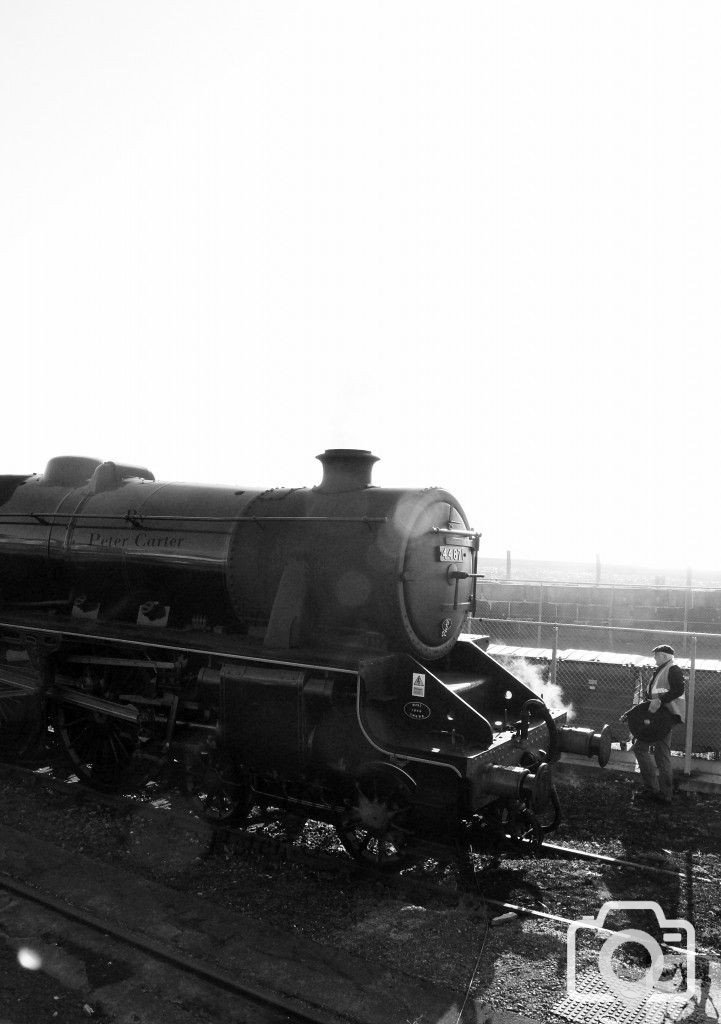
665	691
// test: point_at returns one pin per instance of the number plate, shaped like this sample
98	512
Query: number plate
449	554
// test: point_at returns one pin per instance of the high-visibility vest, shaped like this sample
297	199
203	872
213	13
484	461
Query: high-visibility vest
677	706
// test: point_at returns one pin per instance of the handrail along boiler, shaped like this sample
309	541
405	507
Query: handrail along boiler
297	647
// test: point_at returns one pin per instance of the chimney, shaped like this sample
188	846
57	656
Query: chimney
346	469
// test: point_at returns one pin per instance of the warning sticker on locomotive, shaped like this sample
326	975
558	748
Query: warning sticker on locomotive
419	684
451	554
416	710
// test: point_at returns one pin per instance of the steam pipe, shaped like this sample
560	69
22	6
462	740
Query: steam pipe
534	704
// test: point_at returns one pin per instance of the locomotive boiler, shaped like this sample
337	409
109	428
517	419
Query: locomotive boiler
298	647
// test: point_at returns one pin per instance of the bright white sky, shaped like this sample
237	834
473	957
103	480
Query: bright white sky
481	239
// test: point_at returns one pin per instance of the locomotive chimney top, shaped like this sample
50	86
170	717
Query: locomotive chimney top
346	469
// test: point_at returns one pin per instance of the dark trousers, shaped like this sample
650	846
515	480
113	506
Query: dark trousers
656	767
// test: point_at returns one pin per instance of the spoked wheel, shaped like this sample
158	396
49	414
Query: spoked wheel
374	828
107	751
216	790
99	747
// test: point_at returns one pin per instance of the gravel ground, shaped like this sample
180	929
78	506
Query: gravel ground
520	966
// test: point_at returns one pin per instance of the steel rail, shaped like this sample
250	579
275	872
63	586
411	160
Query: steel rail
516	908
572	853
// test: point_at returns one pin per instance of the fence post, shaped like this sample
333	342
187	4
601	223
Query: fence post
554	655
508	565
689	710
540	613
610	618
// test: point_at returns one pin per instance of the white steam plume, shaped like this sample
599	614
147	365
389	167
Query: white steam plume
532	676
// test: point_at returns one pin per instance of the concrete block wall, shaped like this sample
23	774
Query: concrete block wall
637	607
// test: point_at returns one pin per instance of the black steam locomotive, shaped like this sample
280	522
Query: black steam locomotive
299	648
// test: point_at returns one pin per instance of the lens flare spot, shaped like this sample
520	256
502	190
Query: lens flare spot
29	959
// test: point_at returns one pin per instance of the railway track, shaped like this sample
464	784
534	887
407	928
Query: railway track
284	1010
574	853
257	841
260	973
469	883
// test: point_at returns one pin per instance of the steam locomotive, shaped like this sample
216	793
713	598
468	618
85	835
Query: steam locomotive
301	648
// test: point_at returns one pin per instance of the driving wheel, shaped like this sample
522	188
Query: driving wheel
375	824
100	747
217	791
105	750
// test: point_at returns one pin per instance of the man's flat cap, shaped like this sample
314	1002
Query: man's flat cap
663	649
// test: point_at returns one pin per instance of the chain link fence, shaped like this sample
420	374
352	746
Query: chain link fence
600	671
